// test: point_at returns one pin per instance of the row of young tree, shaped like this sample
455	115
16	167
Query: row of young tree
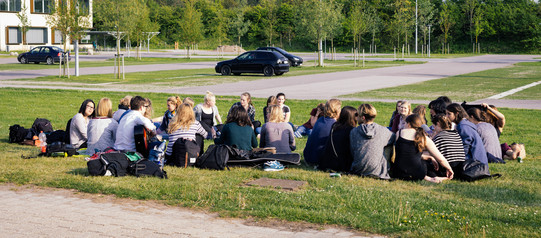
453	25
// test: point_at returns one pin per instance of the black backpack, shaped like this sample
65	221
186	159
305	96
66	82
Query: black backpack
145	167
215	157
185	153
57	136
17	133
41	124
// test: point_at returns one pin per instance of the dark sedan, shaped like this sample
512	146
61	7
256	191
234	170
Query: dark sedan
266	62
47	54
293	60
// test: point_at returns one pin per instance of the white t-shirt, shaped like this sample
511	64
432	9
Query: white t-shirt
124	133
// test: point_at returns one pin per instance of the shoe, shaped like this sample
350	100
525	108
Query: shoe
273	166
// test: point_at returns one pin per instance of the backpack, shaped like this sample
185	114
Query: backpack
475	170
145	167
17	133
56	136
60	147
116	162
216	157
185	153
41	124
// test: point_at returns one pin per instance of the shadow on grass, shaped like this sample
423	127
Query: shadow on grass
79	171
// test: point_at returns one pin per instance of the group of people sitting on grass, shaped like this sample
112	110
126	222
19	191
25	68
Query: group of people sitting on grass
340	138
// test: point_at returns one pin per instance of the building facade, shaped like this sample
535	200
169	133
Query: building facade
39	33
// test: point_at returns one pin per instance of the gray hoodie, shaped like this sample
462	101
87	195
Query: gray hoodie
367	147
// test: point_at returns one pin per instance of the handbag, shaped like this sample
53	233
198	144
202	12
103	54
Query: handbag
475	170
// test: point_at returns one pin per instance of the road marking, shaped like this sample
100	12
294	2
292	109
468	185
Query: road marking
513	91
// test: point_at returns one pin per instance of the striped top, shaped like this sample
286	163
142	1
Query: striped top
189	134
450	145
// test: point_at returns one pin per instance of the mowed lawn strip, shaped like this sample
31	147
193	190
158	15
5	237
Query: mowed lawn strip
468	87
207	76
15	65
508	206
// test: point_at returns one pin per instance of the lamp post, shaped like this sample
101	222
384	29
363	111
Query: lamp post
429	25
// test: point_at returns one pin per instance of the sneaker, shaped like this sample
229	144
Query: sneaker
273	166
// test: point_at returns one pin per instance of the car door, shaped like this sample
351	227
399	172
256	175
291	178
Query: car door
244	63
260	61
45	51
33	54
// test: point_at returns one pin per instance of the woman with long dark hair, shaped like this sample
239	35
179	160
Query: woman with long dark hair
79	124
237	130
337	154
410	164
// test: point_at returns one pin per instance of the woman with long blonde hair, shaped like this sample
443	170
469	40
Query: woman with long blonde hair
276	132
172	103
183	126
101	129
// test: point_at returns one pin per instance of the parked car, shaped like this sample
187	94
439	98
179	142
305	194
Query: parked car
293	60
47	54
258	61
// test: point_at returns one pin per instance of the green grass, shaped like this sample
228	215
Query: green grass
15	65
504	207
197	77
468	87
413	55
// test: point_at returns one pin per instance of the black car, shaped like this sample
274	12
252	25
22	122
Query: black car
47	54
266	62
293	60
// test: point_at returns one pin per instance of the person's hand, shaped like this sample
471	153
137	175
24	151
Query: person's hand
450	173
485	106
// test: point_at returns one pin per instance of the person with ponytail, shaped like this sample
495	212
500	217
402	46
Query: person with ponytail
207	113
473	144
183	126
173	103
410	163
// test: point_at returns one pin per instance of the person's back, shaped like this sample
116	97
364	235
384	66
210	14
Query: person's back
337	154
278	135
408	164
367	147
124	134
101	133
473	144
243	137
489	135
316	141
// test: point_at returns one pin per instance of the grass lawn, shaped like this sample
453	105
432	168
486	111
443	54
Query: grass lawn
197	77
413	55
110	62
468	87
504	207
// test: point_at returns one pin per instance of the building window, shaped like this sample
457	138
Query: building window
57	37
41	6
10	5
14	35
36	36
84	5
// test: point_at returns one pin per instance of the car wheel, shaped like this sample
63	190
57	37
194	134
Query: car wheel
24	60
237	74
268	70
226	70
49	60
279	73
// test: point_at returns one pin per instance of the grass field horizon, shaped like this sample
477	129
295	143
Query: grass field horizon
506	207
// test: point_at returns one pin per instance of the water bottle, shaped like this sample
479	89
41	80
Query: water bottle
43	141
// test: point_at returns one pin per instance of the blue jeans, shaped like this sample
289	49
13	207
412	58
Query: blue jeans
302	131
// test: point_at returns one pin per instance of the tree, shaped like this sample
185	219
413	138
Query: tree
71	19
402	20
446	21
470	7
319	20
191	27
116	16
269	19
143	25
286	22
426	16
239	27
25	21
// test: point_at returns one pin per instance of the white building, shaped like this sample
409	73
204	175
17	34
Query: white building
39	33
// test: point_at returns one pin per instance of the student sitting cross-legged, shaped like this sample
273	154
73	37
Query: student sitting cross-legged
124	134
238	130
368	141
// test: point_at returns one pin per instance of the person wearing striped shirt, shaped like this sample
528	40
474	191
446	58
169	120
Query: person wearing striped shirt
183	126
448	142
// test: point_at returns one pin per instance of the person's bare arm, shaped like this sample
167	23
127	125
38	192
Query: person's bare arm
433	150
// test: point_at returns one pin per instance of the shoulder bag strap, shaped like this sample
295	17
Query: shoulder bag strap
332	143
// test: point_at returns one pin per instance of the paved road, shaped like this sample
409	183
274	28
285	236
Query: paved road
47	212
